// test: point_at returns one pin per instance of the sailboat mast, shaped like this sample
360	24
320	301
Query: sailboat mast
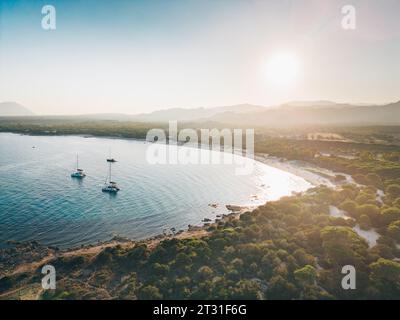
110	173
77	162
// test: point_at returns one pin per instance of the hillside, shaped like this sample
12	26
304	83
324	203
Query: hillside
183	114
291	113
343	114
14	109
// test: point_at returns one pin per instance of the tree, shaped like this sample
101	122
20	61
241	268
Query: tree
233	275
130	284
385	274
237	264
137	254
281	289
349	206
360	178
305	275
348	192
393	191
253	269
365	198
390	214
160	269
182	260
149	292
396	203
374	179
303	258
394	230
370	210
365	222
342	245
6	283
246	290
205	272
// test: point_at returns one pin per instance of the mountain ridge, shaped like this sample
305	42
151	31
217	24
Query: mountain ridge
11	109
311	114
289	113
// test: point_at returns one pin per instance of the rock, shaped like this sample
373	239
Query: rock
233	208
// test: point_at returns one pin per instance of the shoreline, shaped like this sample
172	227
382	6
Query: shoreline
311	173
47	253
43	254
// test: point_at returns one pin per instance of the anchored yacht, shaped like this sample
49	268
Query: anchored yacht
110	186
79	172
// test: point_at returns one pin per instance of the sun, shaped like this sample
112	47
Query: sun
282	69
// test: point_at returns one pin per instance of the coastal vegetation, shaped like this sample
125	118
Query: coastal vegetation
76	126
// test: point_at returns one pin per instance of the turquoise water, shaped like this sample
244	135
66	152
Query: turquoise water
40	201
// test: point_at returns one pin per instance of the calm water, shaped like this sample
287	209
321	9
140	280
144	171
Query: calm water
40	201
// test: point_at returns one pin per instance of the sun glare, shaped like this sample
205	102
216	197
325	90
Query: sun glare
282	69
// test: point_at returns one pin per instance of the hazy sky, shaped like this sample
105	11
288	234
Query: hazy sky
139	56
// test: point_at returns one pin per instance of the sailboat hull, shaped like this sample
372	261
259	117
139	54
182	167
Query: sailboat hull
110	189
78	175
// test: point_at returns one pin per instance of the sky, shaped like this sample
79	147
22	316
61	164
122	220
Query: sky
138	56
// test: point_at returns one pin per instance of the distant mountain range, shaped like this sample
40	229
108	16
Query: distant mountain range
14	109
178	114
288	114
181	114
316	113
291	113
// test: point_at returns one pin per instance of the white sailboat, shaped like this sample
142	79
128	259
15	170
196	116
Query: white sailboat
79	172
110	186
